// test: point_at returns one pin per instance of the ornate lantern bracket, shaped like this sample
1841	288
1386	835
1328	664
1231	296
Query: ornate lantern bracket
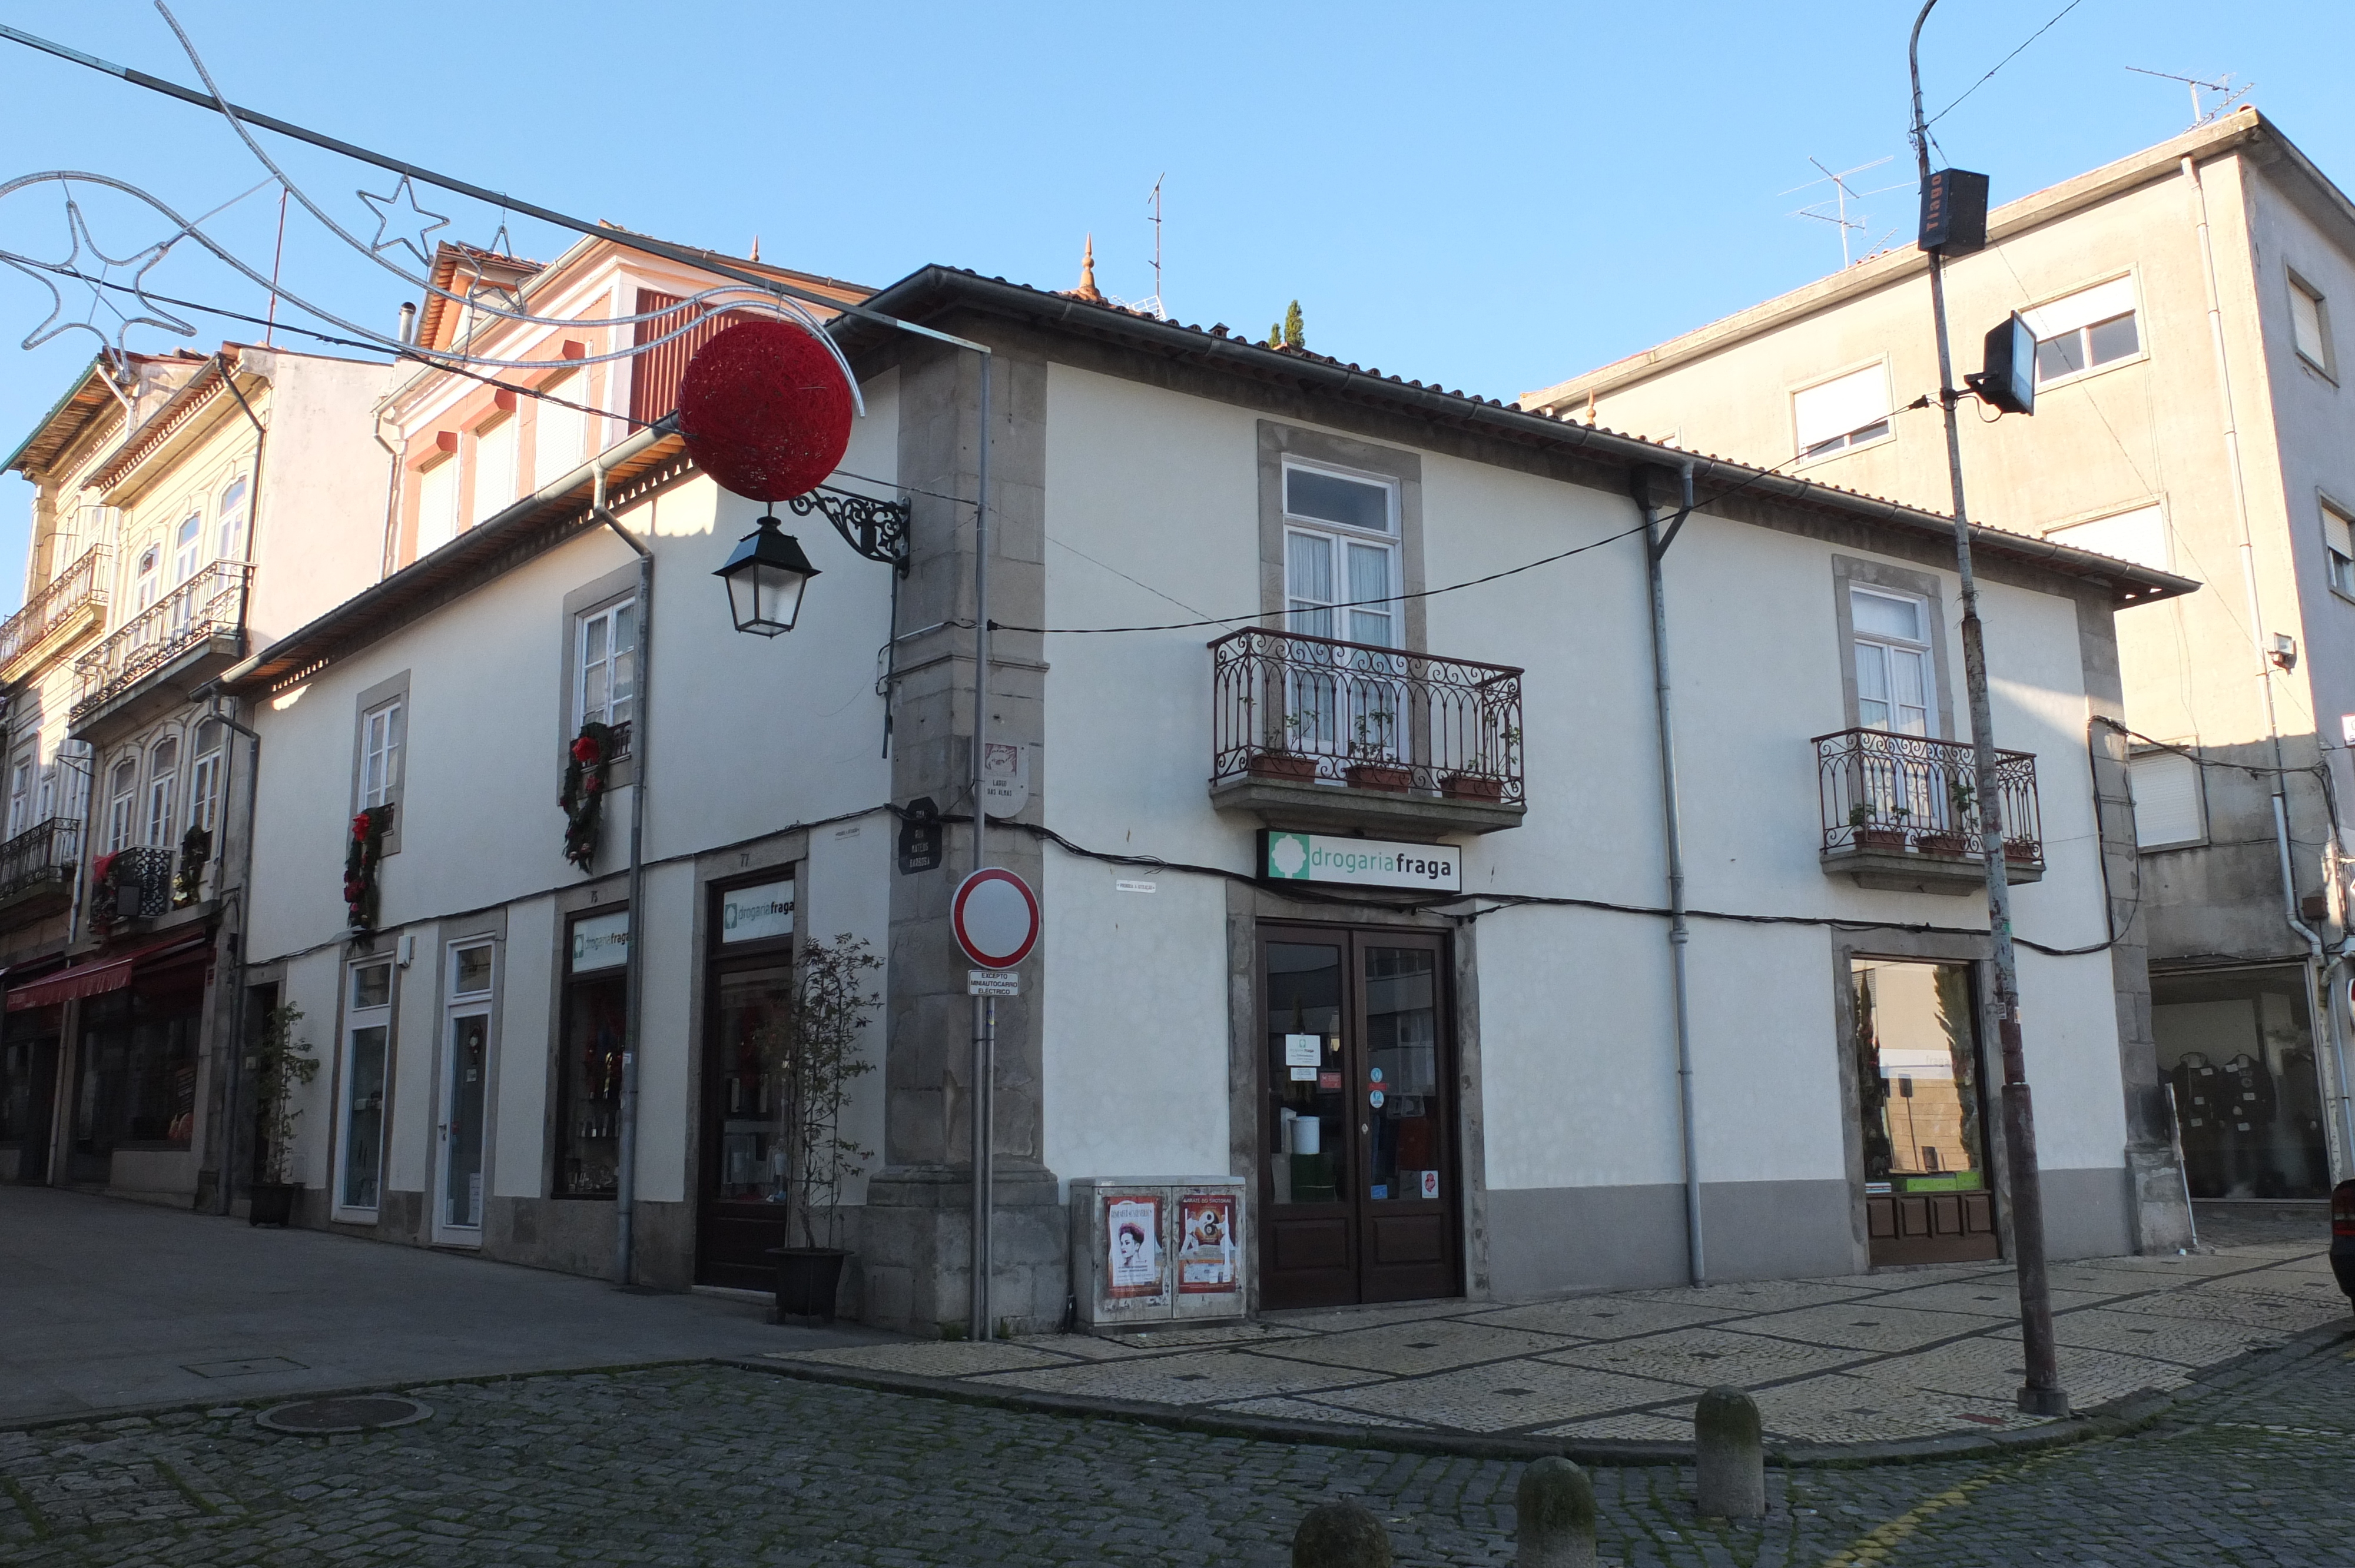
877	529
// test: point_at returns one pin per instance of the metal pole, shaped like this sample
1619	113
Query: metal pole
633	989
983	1016
1655	548
2041	1395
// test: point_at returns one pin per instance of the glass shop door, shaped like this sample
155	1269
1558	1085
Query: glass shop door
1927	1194
1358	1169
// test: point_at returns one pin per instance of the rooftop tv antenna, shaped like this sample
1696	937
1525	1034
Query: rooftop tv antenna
2201	113
1843	194
1156	199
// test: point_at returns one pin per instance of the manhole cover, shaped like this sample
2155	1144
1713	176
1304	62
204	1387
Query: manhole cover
356	1413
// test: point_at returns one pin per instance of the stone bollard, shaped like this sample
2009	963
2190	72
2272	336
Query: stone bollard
1554	1516
1340	1534
1730	1456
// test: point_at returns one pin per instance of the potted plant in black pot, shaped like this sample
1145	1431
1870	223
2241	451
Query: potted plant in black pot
278	1065
812	1051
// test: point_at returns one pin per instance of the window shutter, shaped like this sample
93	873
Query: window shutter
1835	407
2165	800
2338	533
2139	536
2306	324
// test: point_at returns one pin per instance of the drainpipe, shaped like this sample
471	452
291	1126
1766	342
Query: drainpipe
625	1180
1656	546
233	1084
2317	966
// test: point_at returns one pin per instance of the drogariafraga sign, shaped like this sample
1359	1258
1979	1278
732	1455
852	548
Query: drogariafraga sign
1359	863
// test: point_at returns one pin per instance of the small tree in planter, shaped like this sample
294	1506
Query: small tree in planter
1865	835
279	1066
1374	762
812	1050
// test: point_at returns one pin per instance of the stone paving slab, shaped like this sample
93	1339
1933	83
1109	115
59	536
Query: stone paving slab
1908	1356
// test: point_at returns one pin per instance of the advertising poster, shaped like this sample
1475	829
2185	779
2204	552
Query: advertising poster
1132	1240
1206	1246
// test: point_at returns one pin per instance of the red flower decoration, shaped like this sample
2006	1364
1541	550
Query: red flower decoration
584	750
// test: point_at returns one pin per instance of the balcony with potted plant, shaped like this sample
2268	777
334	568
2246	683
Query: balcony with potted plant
1901	812
1313	732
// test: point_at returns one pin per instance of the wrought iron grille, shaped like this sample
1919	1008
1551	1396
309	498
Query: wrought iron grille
1312	709
1908	793
82	584
146	869
42	854
209	604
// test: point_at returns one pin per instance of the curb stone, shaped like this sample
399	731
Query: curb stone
2112	1418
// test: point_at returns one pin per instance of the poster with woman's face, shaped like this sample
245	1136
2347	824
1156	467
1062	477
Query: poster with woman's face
1132	1237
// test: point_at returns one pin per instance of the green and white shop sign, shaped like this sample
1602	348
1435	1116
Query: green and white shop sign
1359	863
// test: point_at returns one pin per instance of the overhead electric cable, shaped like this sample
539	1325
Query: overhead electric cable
2001	63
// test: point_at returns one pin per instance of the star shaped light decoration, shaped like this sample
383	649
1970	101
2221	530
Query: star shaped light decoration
78	266
408	224
488	296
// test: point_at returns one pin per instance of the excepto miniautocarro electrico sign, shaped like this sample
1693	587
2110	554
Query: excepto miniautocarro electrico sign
1359	863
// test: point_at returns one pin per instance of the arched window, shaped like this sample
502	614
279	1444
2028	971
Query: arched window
163	790
150	560
187	545
204	777
121	799
230	534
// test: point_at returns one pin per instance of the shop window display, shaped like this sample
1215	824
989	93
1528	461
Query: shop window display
2237	1049
589	1071
137	1086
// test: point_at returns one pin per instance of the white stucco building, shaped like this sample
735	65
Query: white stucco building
1272	633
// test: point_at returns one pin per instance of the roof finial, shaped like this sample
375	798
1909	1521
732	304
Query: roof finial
1087	290
756	247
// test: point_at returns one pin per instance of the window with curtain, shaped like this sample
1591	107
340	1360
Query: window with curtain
1892	661
608	652
383	733
122	802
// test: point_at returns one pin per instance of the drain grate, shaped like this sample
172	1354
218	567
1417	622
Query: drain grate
352	1413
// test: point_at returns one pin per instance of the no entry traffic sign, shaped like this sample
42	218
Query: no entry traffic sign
995	917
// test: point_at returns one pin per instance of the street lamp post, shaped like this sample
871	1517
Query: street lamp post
2041	1395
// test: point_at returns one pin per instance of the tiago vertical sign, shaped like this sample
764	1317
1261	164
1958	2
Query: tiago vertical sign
1359	863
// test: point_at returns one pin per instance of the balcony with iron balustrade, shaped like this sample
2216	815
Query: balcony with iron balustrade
156	660
1901	814
64	610
37	871
1311	732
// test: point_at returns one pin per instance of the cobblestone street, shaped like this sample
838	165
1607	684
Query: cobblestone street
712	1465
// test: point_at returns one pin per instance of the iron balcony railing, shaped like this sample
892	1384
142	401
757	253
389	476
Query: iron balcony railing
79	586
209	604
1289	707
1908	794
131	885
41	853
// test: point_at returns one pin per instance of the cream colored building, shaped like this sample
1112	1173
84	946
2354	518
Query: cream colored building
2190	416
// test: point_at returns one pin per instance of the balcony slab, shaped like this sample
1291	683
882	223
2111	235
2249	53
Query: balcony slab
1291	803
1899	870
47	892
167	686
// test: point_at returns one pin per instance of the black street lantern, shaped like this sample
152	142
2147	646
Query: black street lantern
765	579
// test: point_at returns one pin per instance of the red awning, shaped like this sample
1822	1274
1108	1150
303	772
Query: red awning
109	972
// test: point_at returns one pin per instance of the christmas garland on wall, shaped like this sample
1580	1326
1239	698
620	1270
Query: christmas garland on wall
102	884
583	796
361	857
196	849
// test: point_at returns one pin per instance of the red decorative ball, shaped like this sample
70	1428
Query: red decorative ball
765	410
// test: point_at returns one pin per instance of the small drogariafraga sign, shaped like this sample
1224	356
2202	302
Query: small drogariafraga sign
1359	863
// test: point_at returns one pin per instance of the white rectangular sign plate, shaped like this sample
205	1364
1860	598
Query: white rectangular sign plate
1360	863
993	982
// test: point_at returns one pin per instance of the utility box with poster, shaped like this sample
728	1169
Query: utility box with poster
1158	1251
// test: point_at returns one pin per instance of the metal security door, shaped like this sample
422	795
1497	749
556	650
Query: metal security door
1358	1166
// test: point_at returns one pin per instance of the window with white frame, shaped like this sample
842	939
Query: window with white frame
1341	576
367	1029
383	737
229	531
2168	804
560	431
122	803
163	790
48	807
205	775
607	650
2309	323
495	468
2339	548
188	547
2085	331
437	505
20	795
2139	536
1846	411
1893	664
144	579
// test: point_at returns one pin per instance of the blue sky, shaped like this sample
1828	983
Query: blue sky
1488	197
